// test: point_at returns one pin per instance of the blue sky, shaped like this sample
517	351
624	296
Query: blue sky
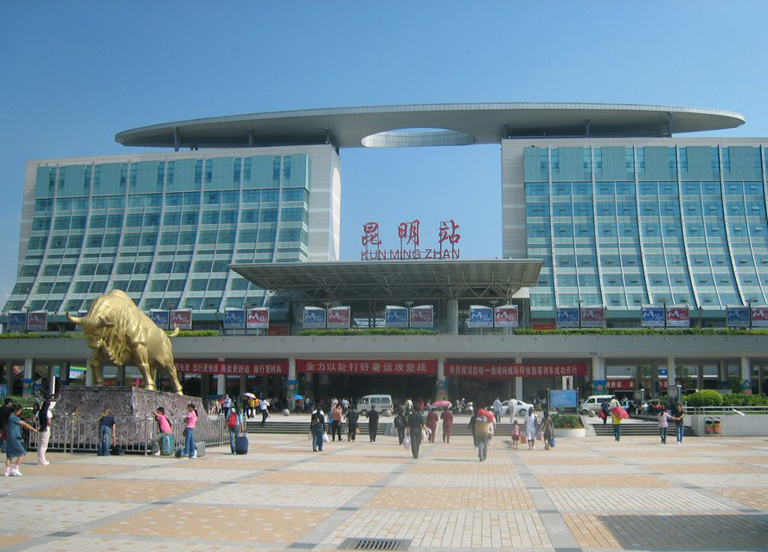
75	73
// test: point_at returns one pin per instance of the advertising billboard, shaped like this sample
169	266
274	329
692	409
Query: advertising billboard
422	317
653	316
37	321
506	316
678	317
258	318
760	317
234	319
181	318
314	318
339	318
737	316
17	321
395	317
568	317
161	318
592	317
480	316
567	398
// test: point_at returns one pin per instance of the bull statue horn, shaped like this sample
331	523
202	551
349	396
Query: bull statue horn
175	331
75	319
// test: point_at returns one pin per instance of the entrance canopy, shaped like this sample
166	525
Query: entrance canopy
397	281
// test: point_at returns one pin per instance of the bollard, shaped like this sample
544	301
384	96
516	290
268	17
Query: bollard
716	426
707	426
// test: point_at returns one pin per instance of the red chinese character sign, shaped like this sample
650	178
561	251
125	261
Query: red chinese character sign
367	367
409	234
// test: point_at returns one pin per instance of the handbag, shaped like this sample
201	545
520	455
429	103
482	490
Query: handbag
540	436
357	431
551	442
523	438
325	437
406	442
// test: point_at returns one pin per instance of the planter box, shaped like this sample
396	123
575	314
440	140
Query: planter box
731	425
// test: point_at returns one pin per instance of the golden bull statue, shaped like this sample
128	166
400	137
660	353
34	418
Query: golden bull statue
119	332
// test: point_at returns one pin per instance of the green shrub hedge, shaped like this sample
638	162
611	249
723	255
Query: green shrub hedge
641	331
705	397
566	421
368	331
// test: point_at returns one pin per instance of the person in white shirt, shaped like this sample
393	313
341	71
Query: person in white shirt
497	409
512	410
530	428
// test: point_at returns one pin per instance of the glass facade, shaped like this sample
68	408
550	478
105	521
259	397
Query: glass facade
163	228
623	226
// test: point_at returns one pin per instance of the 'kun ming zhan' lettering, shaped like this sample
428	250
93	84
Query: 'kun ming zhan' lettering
408	232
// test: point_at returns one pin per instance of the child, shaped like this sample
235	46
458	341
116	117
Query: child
515	435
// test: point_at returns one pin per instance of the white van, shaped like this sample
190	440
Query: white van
593	404
381	402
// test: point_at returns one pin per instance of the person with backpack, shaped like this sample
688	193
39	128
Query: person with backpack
400	425
164	429
234	423
317	427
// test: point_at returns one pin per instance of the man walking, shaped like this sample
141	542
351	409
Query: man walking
415	425
483	433
497	410
352	420
373	423
264	405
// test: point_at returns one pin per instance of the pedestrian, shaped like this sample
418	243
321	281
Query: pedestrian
5	413
400	424
264	407
497	410
317	427
432	424
106	433
408	406
164	429
471	427
190	421
447	417
664	418
548	428
679	423
352	422
515	434
530	428
44	417
483	432
415	427
14	447
512	410
336	414
226	404
234	424
616	421
604	412
373	423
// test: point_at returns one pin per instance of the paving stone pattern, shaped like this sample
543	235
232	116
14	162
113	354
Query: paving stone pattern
585	495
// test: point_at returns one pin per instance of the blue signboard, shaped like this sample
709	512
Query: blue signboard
566	398
568	317
737	317
480	316
17	321
314	317
396	317
162	318
653	317
234	319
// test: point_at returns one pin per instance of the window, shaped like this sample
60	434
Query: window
228	217
41	223
684	159
67	270
181	267
715	160
87	270
212	198
203	266
176	285
191	198
137	286
61	287
172	219
131	240
199	285
152	219
114	221
208	170
598	160
249	216
555	160
287	168
276	169
251	196
189	218
586	159
210	217
199	171
672	156
726	159
111	240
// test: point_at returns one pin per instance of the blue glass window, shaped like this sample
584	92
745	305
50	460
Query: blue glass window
152	219
536	189
191	198
111	240
210	217
250	196
134	220
228	217
189	218
199	171
172	219
131	240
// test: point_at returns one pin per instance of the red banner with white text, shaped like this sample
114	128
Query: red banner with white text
368	367
513	370
234	367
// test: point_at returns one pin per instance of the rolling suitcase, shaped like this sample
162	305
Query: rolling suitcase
241	445
166	445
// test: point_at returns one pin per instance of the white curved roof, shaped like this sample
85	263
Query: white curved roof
430	125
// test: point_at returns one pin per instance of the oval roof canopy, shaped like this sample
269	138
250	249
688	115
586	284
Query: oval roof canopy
433	124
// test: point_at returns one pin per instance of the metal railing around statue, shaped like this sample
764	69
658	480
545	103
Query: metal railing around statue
81	435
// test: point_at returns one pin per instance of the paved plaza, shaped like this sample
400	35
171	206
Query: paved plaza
587	494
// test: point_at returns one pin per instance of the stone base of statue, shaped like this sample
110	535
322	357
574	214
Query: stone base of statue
78	411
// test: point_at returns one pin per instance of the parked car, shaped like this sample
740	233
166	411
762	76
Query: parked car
593	404
381	402
522	407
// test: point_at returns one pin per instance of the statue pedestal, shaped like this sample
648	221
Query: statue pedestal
78	410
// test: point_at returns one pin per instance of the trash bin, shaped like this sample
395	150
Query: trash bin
707	426
716	426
